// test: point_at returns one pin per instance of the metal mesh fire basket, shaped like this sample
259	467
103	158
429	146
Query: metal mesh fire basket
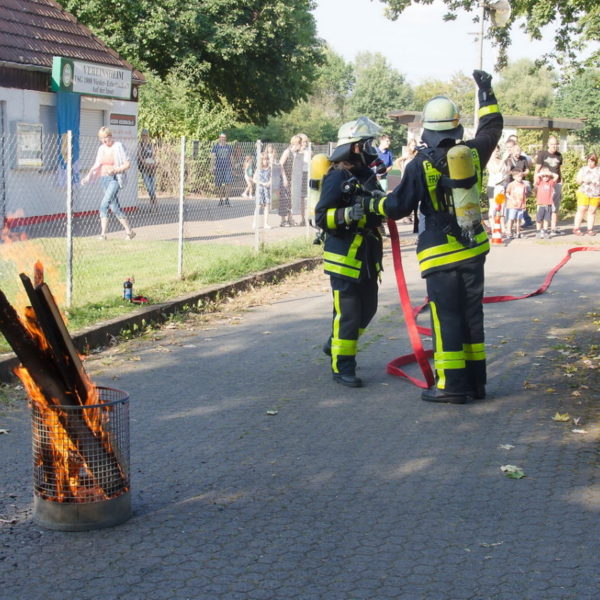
81	463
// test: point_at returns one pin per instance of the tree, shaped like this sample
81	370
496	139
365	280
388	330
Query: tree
577	22
260	56
378	90
579	99
460	88
525	90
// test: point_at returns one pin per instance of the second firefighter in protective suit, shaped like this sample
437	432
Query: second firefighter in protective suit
353	245
452	242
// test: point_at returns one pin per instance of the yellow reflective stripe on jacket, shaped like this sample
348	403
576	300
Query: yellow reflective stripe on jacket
330	218
340	270
488	110
342	259
450	246
474	351
445	258
376	206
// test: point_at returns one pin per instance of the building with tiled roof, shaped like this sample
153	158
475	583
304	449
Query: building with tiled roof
58	81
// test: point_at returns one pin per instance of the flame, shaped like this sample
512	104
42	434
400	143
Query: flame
59	462
18	250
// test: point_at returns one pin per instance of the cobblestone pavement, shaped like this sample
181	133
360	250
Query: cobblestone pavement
343	494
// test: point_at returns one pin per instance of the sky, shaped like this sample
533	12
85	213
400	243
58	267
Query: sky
420	44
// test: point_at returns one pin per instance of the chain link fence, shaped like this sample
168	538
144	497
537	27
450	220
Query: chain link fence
180	199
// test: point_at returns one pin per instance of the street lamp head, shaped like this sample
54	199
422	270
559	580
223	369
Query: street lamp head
499	12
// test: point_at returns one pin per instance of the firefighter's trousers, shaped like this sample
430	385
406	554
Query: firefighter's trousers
354	305
455	301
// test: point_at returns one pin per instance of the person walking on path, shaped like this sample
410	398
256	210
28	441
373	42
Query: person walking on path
221	155
353	244
110	167
248	168
544	194
451	257
147	166
552	159
588	194
292	172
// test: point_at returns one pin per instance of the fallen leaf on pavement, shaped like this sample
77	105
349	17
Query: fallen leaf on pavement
512	471
561	417
506	446
272	413
578	430
4	431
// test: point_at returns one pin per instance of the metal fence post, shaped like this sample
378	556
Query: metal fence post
69	211
181	195
258	231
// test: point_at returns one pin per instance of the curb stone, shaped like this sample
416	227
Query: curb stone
103	333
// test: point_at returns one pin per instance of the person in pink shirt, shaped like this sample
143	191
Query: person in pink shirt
545	182
110	167
516	196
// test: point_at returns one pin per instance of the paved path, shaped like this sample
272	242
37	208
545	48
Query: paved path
344	494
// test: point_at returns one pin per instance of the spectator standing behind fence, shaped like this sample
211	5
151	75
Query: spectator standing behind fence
275	177
262	178
222	169
305	152
292	168
552	159
516	196
387	158
147	166
588	194
248	177
497	172
110	167
544	192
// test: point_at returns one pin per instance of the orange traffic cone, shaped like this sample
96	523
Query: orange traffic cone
497	231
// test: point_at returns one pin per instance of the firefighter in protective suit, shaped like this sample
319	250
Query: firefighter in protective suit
353	246
451	259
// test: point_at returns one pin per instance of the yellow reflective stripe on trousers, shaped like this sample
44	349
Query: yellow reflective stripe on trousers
335	333
330	220
474	351
449	360
441	382
345	347
488	110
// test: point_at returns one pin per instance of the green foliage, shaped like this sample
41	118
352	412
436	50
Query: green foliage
227	49
460	88
579	99
523	89
378	90
572	162
576	21
170	107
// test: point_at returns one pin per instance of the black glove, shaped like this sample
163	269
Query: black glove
354	213
378	194
482	79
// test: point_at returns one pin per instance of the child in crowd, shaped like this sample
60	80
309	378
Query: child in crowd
516	196
262	178
544	192
248	175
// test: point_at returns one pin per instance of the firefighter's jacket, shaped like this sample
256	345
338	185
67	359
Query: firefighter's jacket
437	248
352	251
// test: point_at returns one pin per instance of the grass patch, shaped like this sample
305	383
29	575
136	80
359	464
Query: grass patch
101	268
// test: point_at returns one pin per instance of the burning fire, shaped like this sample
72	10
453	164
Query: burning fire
71	439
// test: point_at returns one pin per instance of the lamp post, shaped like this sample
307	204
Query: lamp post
499	14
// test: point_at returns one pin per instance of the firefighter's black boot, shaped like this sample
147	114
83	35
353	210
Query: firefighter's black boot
347	380
435	395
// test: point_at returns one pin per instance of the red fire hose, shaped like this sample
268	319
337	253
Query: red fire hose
419	354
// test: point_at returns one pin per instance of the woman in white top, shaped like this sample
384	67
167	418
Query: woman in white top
110	167
588	194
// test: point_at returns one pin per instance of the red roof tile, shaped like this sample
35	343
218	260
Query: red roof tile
33	31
